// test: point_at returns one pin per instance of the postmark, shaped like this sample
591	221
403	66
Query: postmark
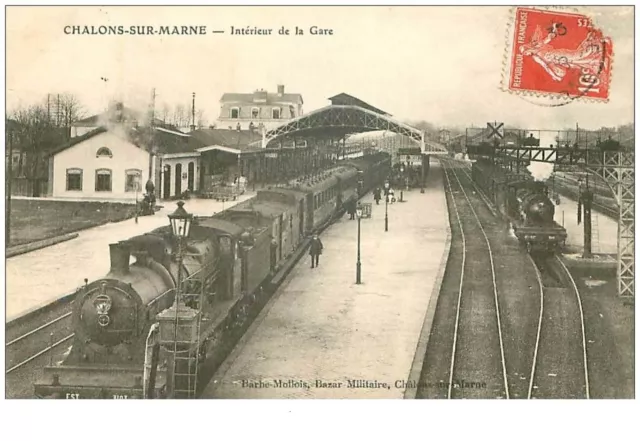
558	55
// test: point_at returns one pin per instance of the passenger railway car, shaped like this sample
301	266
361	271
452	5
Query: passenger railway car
228	268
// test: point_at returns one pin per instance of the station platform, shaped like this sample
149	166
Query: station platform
42	276
604	229
323	336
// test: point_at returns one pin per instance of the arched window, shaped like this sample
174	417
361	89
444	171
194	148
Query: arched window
132	179
104	151
74	179
103	179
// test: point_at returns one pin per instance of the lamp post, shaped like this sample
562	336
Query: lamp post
386	206
180	226
178	324
358	264
402	178
137	184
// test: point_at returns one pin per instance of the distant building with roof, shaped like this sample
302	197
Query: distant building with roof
258	110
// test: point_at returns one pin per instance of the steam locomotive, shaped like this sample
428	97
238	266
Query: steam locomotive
230	265
531	212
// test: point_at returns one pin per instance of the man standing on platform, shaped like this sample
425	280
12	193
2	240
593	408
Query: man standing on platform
351	208
315	250
377	195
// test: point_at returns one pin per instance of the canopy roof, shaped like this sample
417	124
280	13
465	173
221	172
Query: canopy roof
337	121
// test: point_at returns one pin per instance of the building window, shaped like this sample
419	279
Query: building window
235	112
132	179
103	180
74	179
104	151
255	113
275	113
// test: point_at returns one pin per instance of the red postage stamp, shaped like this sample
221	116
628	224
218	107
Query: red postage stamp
558	53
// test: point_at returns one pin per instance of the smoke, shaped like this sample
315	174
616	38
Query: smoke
541	171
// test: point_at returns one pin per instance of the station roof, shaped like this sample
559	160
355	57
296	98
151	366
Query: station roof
344	99
336	121
231	141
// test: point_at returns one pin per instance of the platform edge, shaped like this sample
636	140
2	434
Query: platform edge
423	341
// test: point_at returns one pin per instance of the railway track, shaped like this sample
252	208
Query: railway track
560	364
34	343
473	372
559	368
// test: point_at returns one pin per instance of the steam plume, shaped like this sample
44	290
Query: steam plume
541	171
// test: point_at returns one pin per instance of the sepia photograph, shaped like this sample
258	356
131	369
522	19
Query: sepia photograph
320	202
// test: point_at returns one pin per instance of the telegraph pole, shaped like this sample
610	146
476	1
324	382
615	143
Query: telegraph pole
587	198
193	113
9	179
152	117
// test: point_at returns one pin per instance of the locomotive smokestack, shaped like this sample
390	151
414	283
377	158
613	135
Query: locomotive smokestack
120	255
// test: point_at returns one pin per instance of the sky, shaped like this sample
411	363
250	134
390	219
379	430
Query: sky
438	64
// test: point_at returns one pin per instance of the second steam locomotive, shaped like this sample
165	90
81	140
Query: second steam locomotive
526	204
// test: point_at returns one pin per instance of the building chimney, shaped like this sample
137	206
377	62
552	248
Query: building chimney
120	255
280	89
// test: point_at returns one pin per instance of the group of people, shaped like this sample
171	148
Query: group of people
316	247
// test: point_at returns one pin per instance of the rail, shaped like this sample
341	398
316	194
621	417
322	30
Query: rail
39	328
494	283
584	336
535	360
464	254
38	354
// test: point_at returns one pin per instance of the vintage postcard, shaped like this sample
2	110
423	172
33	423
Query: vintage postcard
310	202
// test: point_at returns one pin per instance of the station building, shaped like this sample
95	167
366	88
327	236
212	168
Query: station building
111	162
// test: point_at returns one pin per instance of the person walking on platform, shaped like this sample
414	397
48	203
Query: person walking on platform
377	195
351	208
315	249
391	196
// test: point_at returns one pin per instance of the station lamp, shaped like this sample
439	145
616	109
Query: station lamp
180	221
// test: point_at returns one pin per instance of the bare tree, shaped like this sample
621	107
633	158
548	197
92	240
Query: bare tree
70	110
201	122
37	130
179	116
165	113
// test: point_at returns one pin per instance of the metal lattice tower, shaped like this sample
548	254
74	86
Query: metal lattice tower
618	171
